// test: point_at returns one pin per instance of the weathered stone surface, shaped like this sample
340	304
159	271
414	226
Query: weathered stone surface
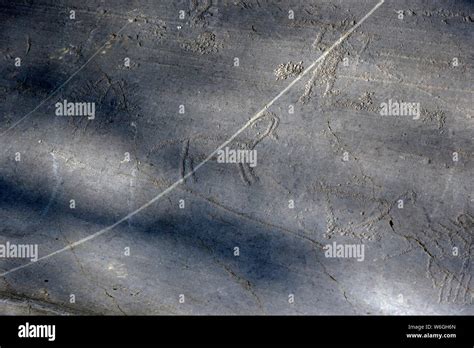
344	166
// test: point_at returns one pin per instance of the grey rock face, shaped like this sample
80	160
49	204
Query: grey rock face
349	210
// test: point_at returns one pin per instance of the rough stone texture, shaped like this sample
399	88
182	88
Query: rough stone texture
290	69
343	164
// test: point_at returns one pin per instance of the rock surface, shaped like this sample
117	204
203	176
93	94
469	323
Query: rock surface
230	238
